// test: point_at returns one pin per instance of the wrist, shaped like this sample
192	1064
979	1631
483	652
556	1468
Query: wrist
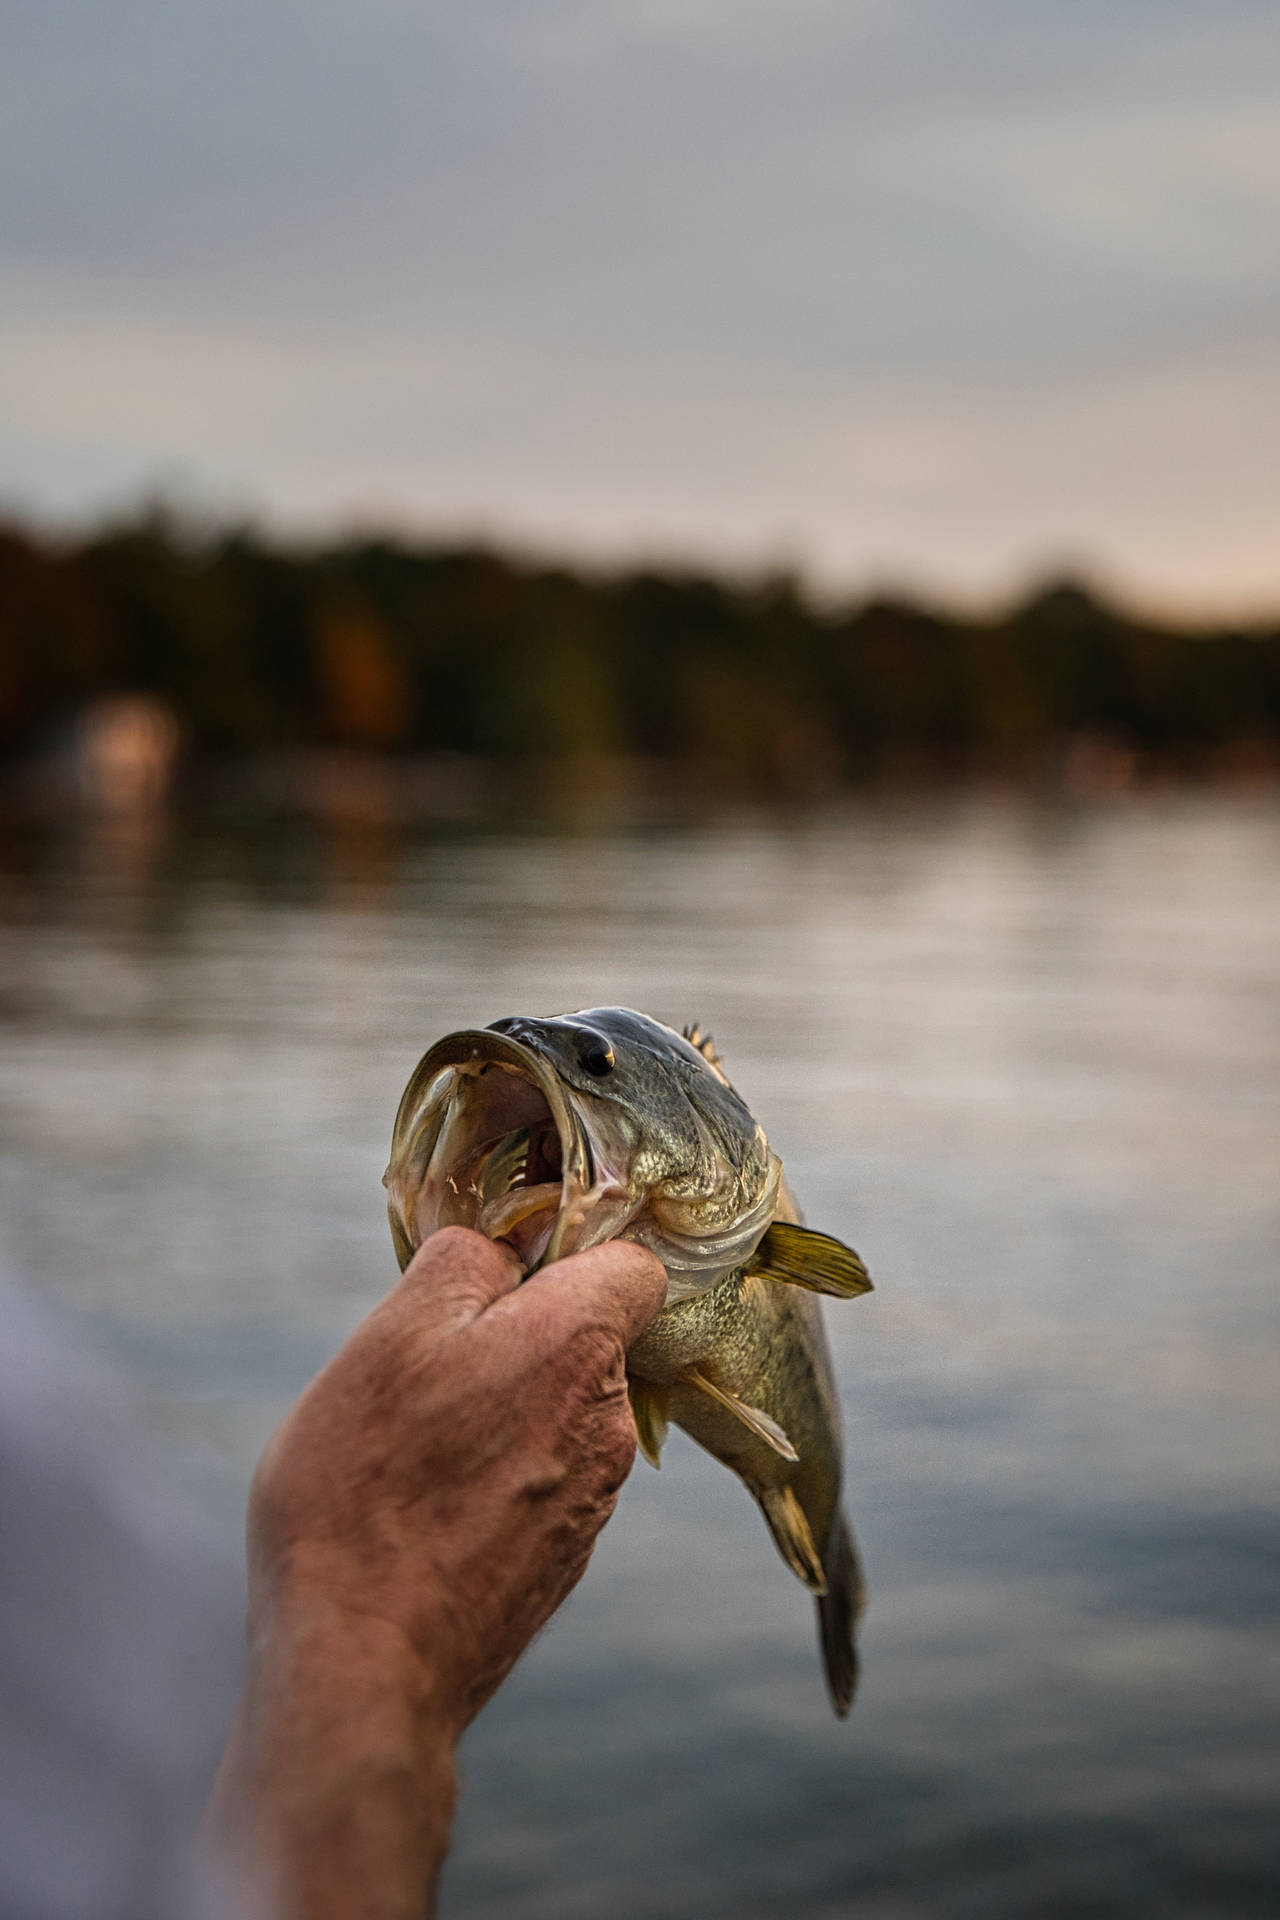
339	1780
318	1612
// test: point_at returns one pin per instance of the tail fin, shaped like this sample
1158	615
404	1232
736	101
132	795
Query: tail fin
838	1612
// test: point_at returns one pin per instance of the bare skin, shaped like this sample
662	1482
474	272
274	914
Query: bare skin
430	1501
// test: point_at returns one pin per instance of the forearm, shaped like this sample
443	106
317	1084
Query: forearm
337	1786
418	1516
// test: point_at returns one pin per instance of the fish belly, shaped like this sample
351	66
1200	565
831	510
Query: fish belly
764	1346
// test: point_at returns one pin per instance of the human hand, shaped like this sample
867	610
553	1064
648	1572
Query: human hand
432	1497
448	1472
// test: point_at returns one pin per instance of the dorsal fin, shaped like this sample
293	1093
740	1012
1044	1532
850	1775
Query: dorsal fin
802	1258
702	1041
706	1046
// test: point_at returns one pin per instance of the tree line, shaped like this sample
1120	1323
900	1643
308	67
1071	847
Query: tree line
408	648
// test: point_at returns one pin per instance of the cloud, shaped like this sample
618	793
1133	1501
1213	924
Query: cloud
909	286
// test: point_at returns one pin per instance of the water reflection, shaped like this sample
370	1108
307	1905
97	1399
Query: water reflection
1027	1060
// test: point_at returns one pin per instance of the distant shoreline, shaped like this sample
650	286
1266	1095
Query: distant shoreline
408	681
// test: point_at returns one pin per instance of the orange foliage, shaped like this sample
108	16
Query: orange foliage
364	688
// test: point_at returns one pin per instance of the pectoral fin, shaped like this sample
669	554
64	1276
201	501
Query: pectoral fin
794	1537
801	1258
649	1410
760	1423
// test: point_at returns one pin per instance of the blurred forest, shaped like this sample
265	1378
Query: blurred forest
419	653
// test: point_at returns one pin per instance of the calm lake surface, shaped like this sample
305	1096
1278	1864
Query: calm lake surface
1026	1059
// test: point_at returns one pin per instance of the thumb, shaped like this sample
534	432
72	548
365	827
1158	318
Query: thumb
454	1276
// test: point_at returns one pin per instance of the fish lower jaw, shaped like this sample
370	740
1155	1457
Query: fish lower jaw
526	1217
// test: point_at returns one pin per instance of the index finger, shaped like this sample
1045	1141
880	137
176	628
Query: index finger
620	1285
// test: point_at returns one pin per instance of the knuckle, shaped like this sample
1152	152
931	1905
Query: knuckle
617	1452
609	1451
591	1353
273	1498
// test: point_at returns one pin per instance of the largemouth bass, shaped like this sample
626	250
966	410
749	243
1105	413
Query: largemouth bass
558	1134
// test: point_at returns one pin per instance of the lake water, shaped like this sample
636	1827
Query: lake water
1026	1059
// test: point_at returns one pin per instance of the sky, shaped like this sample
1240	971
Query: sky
948	294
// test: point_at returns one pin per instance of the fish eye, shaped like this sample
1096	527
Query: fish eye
594	1052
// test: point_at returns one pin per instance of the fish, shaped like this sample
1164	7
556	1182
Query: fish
557	1134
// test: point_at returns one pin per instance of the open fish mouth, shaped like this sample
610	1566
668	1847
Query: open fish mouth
486	1138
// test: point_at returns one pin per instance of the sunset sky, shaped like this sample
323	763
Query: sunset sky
945	293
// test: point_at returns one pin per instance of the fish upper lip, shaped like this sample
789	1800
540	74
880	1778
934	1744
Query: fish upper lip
480	1047
473	1049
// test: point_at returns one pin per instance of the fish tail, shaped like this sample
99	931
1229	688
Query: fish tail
838	1611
